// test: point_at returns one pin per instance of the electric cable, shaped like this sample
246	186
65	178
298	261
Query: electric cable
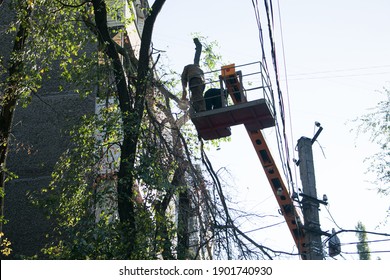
282	139
286	151
269	226
331	216
340	76
371	252
279	137
356	231
287	87
368	241
340	70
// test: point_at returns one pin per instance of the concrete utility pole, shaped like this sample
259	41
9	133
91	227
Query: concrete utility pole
310	203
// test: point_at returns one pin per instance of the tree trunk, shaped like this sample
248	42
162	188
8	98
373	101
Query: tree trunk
161	213
131	115
125	202
183	235
198	51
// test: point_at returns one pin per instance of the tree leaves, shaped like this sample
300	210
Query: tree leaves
377	124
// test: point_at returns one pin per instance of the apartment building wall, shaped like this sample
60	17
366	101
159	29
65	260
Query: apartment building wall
39	137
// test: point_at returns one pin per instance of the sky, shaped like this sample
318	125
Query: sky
333	58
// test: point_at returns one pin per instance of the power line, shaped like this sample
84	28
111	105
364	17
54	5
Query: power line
331	216
339	76
281	137
355	231
286	150
283	146
269	226
362	242
340	70
356	243
371	252
286	82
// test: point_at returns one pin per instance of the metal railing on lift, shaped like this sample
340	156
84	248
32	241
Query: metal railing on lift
259	83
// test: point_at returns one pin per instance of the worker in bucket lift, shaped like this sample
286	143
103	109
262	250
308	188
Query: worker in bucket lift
193	77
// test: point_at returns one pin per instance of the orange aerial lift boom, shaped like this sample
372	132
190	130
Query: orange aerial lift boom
255	115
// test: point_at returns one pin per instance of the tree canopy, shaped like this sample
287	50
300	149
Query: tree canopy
376	123
362	247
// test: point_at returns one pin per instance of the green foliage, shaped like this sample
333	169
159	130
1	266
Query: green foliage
57	39
74	197
211	58
116	11
82	201
156	164
82	196
377	124
5	245
362	246
35	32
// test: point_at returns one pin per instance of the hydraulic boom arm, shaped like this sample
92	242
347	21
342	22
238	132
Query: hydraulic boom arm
232	81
